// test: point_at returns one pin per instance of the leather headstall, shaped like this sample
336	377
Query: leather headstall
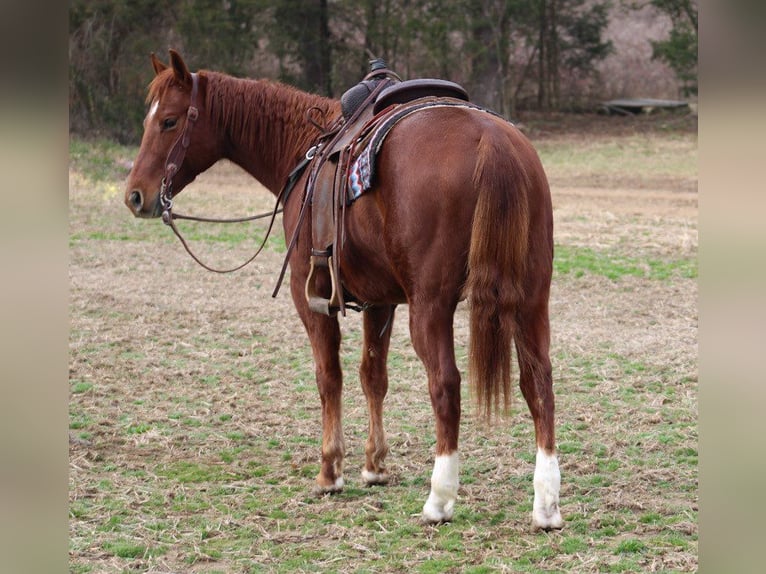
177	153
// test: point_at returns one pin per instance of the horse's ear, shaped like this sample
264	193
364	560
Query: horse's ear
180	70
158	65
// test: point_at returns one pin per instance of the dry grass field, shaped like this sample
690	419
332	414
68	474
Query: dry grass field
194	419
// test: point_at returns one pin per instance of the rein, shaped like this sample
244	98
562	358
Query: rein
174	160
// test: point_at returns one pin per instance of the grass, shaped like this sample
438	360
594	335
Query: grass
99	161
195	420
232	234
659	156
581	260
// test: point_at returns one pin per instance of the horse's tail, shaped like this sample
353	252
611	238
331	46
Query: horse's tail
496	268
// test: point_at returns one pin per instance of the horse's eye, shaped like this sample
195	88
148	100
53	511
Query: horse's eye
168	124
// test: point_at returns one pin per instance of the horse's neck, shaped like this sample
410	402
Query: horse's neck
266	127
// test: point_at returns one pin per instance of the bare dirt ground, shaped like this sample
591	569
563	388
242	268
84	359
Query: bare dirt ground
175	370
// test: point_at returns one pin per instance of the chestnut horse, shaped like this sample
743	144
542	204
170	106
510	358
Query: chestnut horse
460	209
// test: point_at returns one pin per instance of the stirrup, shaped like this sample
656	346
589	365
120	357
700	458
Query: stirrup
316	302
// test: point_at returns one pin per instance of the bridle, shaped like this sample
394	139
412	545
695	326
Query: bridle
173	162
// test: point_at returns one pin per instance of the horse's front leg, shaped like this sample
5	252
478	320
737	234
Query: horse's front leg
324	334
373	373
432	337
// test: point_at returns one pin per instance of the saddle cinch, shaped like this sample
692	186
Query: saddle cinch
365	107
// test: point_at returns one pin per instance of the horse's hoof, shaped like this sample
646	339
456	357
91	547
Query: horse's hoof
547	521
434	513
375	478
332	488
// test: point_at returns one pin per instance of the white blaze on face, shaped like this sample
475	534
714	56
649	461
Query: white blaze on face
444	485
153	110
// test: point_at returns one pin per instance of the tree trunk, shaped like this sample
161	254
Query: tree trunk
548	62
542	62
325	76
490	69
553	55
314	48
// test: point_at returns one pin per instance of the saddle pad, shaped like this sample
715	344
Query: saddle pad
361	172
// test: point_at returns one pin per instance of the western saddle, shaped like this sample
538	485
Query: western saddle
364	106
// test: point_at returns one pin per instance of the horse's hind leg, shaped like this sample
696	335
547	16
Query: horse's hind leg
532	345
432	337
373	374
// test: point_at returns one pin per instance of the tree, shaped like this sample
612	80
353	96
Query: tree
548	52
570	44
489	47
679	50
507	53
300	38
522	50
222	35
106	40
110	42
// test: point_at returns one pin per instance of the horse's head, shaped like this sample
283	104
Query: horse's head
176	145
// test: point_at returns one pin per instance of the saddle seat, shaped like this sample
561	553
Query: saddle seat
410	90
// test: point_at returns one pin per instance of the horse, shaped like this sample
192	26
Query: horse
460	209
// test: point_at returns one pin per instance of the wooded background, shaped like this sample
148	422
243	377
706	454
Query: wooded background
511	55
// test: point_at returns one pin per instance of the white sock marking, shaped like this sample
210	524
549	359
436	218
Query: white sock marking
547	481
370	477
444	485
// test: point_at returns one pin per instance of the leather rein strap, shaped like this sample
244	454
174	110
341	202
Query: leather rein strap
174	160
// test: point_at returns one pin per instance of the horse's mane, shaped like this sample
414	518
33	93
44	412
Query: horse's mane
256	112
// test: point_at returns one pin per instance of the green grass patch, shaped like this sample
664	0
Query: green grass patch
573	545
79	420
630	546
232	234
230	455
80	387
138	428
125	549
651	518
579	261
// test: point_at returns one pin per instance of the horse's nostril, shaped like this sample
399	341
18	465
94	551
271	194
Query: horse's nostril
136	199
